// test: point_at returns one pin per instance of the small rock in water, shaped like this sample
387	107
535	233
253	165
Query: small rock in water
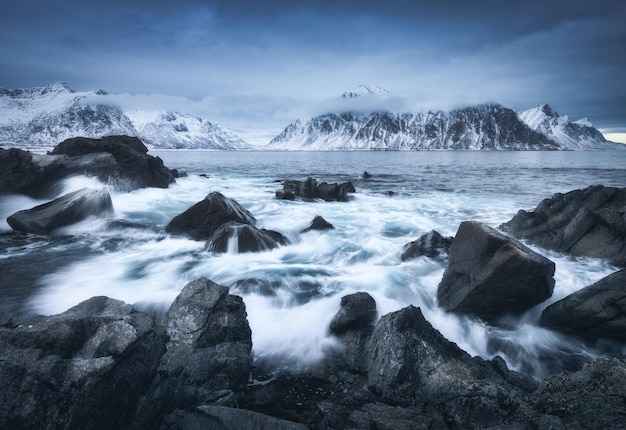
318	223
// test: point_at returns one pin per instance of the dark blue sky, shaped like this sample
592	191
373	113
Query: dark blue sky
257	65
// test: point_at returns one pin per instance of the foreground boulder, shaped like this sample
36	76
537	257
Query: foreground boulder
68	209
587	222
310	189
137	169
84	368
431	245
237	238
491	275
596	311
208	353
19	171
202	220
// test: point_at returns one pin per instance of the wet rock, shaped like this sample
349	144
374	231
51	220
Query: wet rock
491	275
353	324
19	171
84	368
238	238
596	311
310	189
367	175
137	169
203	219
590	398
589	222
208	353
68	209
318	223
431	244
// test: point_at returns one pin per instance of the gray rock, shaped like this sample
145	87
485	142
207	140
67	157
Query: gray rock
318	223
589	222
202	220
68	209
245	238
310	189
596	311
84	368
491	275
431	244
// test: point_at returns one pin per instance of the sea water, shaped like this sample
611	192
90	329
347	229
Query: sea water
292	292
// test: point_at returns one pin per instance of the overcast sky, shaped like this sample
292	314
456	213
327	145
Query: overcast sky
257	65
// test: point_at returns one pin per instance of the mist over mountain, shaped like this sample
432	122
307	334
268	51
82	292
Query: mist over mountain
45	116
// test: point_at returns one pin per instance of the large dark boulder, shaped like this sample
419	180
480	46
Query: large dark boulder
19	171
202	220
208	357
84	368
589	222
137	169
68	209
244	238
491	275
353	324
431	244
596	311
310	189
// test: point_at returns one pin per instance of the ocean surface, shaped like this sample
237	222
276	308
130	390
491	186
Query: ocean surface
292	292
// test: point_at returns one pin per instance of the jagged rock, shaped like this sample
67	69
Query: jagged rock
224	418
491	275
208	353
318	223
596	311
589	222
84	368
202	220
310	189
588	399
353	324
137	169
244	238
431	244
68	209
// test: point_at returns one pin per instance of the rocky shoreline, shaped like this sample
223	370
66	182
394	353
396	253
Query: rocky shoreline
104	364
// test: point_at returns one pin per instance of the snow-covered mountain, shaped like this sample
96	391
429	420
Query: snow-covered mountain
366	90
45	116
577	135
488	126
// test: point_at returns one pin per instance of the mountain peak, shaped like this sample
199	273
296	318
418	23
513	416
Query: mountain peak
547	110
366	90
57	87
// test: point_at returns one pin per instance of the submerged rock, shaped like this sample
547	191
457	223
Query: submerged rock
318	223
310	189
68	209
431	244
244	238
589	222
491	275
203	219
593	312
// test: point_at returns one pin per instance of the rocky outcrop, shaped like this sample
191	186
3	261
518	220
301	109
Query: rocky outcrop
491	275
589	222
353	325
84	368
311	190
68	209
137	169
202	220
431	244
318	223
596	311
120	161
237	238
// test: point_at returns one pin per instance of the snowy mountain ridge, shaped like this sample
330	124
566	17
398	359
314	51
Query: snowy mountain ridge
45	116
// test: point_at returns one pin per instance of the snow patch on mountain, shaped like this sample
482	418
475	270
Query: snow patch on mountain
366	90
576	135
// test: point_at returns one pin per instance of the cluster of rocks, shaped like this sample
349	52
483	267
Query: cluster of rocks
104	364
310	189
120	161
